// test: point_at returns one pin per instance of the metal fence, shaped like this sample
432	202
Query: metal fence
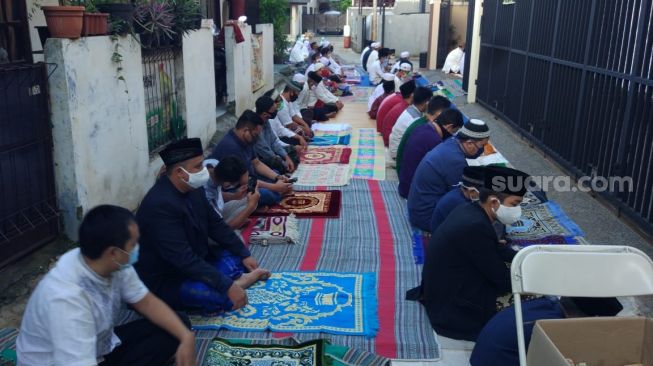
576	78
29	216
165	122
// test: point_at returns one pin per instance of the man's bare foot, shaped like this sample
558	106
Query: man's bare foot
248	279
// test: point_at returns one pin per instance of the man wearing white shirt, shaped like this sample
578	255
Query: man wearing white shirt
378	91
289	112
402	75
377	68
421	98
404	59
374	55
70	317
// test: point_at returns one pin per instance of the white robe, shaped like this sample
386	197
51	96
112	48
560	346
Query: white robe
375	71
378	91
452	62
297	53
374	55
363	54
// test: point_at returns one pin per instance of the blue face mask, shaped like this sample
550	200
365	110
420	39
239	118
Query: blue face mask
133	257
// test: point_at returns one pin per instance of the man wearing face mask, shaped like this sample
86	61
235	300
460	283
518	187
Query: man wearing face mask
268	147
177	262
70	318
441	169
290	115
377	68
465	267
426	137
468	191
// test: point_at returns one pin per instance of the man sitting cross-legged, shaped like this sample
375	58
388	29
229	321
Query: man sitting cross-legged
70	318
176	221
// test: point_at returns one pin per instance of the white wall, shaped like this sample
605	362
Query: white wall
99	130
397	27
239	72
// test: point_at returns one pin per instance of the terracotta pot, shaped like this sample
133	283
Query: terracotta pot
64	21
95	24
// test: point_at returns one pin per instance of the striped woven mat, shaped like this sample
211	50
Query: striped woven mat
371	235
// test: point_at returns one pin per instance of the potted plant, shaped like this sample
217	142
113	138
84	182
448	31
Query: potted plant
188	17
95	23
154	21
120	14
275	12
64	20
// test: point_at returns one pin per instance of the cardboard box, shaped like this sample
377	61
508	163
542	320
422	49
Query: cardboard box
595	341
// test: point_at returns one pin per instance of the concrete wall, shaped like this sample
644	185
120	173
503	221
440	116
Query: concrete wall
459	13
239	72
408	32
99	130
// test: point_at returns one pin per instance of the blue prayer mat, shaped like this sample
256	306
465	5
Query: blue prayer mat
329	302
330	140
543	220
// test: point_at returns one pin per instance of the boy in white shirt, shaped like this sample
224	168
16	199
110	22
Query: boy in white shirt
70	317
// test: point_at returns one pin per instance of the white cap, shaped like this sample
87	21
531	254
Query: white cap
326	44
299	78
242	19
375	45
388	76
318	66
405	54
405	67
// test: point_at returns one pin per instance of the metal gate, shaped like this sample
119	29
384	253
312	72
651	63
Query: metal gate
444	32
575	77
28	208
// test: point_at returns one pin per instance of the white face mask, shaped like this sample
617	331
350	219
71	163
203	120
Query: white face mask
508	215
199	179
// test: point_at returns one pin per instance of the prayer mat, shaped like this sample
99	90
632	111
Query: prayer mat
545	240
8	346
453	86
330	140
332	175
421	240
306	204
325	155
275	230
359	95
368	154
371	235
337	129
224	352
542	220
492	159
328	302
337	355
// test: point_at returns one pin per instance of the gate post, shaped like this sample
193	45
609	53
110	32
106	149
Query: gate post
475	51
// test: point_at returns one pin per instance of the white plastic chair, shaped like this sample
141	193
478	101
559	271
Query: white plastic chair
578	270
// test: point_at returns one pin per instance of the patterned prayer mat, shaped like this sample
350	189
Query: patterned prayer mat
549	239
454	86
222	352
359	95
336	355
325	155
368	154
307	204
543	220
8	346
329	302
332	175
330	140
371	235
275	230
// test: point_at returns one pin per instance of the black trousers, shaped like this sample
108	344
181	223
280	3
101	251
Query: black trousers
143	344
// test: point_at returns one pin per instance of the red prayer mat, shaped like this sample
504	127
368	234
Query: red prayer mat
326	155
307	204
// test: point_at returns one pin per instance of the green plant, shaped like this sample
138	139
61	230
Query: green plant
343	5
276	12
187	14
154	21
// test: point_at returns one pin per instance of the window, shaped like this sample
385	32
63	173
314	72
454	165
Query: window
14	33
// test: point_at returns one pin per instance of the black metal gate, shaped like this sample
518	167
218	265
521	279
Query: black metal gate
576	78
444	32
28	208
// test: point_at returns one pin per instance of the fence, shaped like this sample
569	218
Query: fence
28	209
575	78
164	120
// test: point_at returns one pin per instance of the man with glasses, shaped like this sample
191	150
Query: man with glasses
228	191
441	169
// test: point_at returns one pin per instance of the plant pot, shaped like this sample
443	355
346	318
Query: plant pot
122	12
95	24
64	21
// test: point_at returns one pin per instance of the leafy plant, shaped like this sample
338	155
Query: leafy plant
343	5
155	21
187	14
276	12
